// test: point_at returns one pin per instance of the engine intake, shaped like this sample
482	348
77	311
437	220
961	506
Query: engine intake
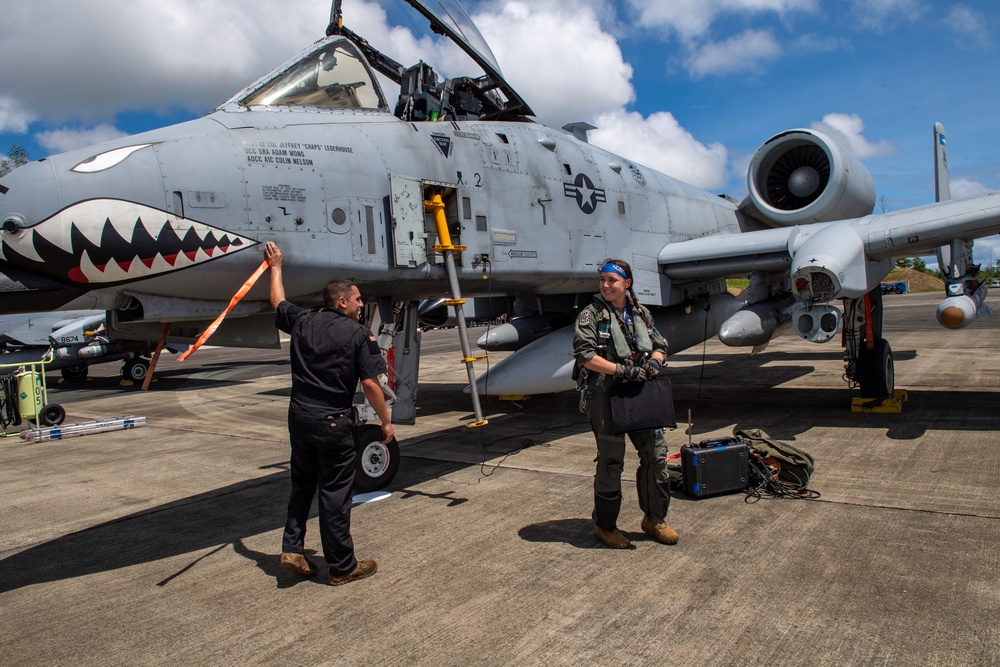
804	176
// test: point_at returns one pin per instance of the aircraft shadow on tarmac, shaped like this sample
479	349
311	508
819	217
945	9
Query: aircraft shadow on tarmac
180	379
203	524
742	390
198	526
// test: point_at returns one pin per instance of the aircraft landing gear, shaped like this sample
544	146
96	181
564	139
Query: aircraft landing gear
377	462
876	372
867	355
135	369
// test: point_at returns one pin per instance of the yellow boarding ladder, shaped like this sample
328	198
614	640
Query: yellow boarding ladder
436	206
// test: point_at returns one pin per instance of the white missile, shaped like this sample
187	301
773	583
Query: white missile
957	311
542	366
95	350
759	323
515	334
546	365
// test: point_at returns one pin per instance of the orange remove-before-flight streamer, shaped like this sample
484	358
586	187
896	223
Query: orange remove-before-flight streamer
218	320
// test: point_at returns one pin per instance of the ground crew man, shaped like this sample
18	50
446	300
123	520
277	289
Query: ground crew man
330	353
615	341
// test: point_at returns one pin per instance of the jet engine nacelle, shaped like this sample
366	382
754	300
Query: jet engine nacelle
803	176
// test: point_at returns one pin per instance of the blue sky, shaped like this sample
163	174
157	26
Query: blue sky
691	87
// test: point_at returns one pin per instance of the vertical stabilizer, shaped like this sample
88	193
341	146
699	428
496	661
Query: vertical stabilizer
948	257
942	183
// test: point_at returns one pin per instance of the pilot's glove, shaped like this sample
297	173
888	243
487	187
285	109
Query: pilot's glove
652	367
630	373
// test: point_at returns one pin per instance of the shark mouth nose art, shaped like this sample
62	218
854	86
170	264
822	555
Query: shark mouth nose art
110	241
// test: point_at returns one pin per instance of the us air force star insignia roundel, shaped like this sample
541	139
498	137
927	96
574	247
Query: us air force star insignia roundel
587	196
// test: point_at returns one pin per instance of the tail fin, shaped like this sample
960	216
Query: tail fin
942	182
955	260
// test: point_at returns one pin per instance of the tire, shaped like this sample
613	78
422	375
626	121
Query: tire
75	373
135	369
52	414
876	371
377	462
899	290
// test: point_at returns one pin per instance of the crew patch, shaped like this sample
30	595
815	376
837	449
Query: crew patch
585	317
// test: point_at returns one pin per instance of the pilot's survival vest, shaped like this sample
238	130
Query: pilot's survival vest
613	341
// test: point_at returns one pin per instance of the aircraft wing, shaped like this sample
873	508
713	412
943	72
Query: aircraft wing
843	248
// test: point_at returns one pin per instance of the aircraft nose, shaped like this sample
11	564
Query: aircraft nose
27	194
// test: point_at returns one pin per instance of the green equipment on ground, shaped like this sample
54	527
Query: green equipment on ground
24	395
792	464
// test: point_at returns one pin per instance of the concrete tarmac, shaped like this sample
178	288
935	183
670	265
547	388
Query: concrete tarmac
159	546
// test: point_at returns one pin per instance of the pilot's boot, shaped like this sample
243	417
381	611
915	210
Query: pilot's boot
364	568
298	563
612	538
658	530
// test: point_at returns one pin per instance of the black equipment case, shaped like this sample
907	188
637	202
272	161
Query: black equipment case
716	466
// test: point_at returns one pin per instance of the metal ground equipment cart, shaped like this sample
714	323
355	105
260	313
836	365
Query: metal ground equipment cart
24	395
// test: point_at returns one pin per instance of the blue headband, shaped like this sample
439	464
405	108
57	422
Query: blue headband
614	268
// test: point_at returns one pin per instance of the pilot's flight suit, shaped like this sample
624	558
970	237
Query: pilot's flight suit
651	476
330	353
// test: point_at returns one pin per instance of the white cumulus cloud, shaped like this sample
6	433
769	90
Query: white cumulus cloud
745	52
966	187
968	27
693	18
101	56
14	117
660	142
558	53
883	15
68	139
848	129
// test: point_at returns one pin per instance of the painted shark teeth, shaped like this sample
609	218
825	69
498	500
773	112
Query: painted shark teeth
110	241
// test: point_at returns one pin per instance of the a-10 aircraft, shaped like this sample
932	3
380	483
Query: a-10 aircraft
163	227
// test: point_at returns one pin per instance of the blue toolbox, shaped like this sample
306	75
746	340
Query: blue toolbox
712	467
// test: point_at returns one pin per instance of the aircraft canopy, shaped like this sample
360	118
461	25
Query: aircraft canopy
333	75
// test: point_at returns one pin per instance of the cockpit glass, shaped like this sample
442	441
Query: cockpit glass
453	15
332	76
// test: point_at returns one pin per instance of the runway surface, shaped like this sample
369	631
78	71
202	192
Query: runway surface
159	546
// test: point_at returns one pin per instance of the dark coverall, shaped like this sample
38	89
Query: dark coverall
652	481
330	354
